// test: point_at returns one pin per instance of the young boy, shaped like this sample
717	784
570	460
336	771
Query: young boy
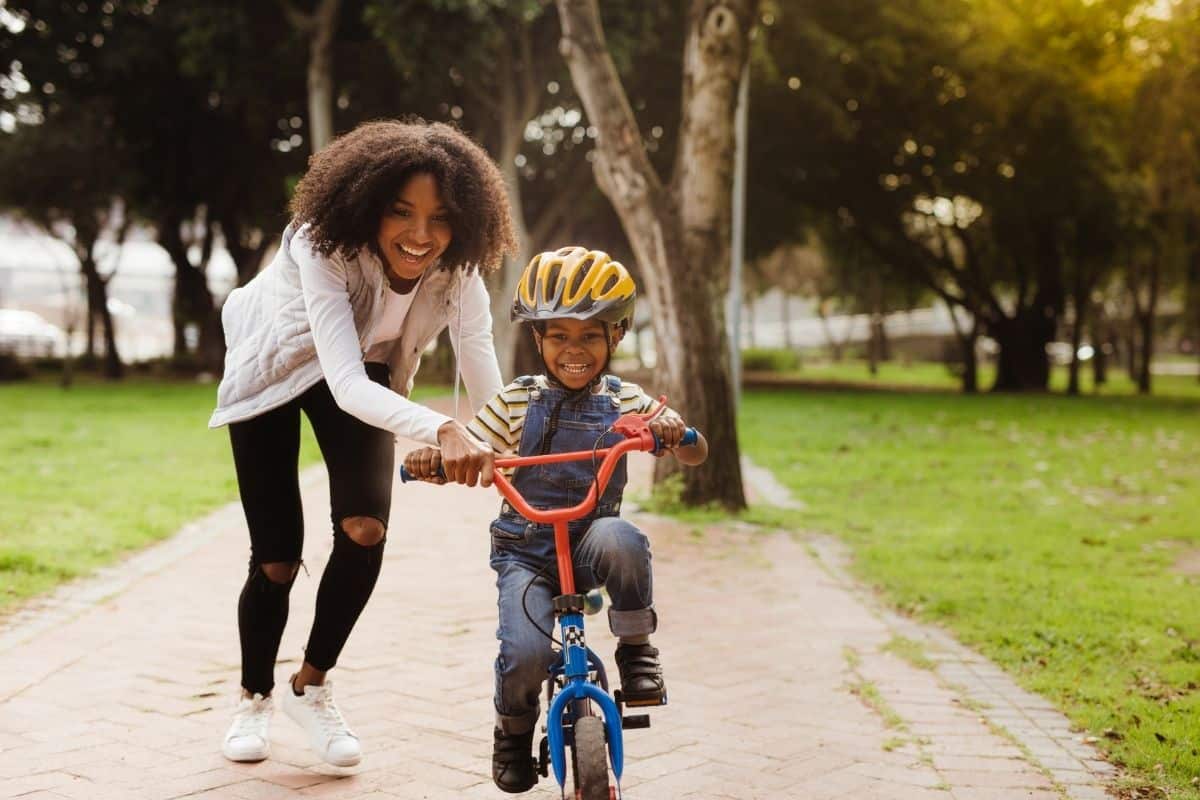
579	303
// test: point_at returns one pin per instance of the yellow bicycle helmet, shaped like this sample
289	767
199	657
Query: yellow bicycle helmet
577	283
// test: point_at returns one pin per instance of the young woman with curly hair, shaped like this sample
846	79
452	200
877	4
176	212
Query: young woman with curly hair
392	227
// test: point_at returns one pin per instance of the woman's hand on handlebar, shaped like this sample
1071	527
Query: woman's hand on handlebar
425	465
464	458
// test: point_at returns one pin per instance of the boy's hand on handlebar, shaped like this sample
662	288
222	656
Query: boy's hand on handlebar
669	429
465	459
424	464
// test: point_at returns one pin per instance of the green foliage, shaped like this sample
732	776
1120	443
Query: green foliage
1051	533
769	359
993	153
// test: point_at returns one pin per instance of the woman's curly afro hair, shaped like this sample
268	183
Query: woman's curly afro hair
356	177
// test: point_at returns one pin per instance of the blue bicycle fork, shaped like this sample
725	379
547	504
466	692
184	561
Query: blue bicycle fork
576	687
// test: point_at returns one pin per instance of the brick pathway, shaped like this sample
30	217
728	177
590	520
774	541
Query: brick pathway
781	682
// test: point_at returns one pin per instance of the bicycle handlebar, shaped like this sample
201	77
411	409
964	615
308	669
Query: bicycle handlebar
690	437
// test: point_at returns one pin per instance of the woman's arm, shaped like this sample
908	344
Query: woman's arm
471	337
323	281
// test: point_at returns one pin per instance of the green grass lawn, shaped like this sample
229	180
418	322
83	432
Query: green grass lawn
102	469
929	375
1053	534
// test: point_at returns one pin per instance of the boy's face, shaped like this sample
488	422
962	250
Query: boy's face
575	350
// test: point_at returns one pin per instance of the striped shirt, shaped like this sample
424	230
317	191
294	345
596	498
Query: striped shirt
499	423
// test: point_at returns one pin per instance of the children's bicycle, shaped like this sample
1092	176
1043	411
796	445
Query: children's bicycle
578	685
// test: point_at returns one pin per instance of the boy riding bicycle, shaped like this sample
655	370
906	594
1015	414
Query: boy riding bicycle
579	304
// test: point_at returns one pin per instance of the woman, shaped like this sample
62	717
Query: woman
391	228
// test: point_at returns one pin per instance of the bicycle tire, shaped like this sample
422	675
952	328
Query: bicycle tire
590	759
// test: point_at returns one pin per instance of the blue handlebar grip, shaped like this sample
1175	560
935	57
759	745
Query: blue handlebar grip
406	476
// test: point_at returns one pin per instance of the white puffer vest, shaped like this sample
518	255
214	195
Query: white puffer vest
270	356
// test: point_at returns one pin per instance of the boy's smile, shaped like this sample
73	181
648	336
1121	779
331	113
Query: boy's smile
574	350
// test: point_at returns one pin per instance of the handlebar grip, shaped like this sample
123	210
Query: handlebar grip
690	436
406	476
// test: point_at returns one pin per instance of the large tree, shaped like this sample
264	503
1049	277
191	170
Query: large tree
679	229
971	145
65	176
501	78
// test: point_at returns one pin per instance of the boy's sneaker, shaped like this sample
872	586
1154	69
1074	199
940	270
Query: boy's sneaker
327	731
512	761
249	737
641	675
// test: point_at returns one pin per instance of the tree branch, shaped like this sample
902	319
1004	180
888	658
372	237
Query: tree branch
556	209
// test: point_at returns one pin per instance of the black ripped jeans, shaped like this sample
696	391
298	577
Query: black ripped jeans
360	460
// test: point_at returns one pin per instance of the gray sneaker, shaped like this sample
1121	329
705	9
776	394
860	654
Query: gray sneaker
327	731
249	736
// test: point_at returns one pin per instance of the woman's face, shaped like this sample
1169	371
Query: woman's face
415	228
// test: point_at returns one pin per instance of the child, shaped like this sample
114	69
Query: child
579	303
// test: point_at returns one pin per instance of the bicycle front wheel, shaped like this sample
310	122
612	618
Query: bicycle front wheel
590	759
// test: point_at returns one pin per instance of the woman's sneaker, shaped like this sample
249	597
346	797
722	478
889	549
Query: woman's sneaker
249	737
327	731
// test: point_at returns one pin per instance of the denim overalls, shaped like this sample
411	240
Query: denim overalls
606	549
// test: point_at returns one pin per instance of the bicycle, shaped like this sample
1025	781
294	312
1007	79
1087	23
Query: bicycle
578	681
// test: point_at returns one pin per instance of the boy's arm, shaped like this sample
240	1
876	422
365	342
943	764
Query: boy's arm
669	427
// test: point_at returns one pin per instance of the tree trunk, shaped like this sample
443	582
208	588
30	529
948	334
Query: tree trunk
191	302
1077	322
1192	309
680	235
1023	364
786	318
835	346
504	283
966	342
321	27
1101	340
320	74
751	339
97	289
1146	322
970	376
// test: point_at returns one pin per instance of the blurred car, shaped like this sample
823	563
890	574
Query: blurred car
28	334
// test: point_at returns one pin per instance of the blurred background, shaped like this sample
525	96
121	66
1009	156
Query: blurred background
980	193
933	265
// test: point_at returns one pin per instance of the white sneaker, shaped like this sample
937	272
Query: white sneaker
327	731
249	737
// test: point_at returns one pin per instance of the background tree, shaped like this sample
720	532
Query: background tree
967	144
501	78
679	231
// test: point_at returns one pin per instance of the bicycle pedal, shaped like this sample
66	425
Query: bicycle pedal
635	721
647	702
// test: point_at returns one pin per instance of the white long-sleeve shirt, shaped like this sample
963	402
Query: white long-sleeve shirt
305	304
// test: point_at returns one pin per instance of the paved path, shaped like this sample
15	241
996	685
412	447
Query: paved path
781	682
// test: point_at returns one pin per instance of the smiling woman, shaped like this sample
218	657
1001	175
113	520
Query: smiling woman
391	228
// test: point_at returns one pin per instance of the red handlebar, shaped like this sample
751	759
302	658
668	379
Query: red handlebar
638	436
